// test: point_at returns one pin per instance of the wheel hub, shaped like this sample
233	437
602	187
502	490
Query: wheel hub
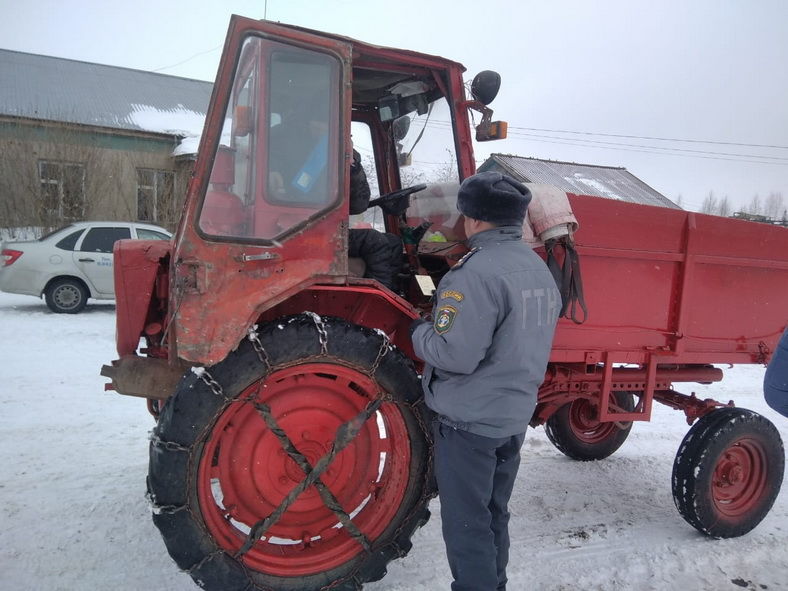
66	297
244	472
739	477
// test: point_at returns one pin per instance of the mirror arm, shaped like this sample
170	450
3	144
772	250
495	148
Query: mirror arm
487	129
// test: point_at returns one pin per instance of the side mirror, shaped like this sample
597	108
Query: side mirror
485	86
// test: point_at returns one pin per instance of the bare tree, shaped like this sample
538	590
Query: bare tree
755	206
774	206
709	204
724	208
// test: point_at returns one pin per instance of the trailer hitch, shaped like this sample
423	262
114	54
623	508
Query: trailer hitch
692	406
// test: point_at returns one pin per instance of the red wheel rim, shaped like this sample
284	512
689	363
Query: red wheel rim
244	473
739	479
585	425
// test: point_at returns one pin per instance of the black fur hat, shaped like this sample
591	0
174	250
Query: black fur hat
493	197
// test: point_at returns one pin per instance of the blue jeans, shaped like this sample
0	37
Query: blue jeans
475	478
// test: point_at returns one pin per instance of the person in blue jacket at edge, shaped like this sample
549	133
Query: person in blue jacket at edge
775	382
485	353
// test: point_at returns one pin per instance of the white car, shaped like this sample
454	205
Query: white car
71	264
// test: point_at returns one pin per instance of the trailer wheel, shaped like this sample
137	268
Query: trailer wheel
577	433
230	455
728	472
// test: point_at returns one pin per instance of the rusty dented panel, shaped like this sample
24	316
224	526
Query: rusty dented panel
146	377
136	265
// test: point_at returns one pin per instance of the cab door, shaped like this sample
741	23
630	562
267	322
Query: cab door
266	213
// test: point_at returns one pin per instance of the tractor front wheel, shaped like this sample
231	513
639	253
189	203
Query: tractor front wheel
728	472
301	462
576	431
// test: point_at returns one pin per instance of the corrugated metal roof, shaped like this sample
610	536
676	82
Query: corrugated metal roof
58	89
583	179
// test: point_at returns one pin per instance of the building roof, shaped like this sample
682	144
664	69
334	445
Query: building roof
583	179
57	89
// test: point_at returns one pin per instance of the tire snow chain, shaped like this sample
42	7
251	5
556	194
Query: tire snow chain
385	346
157	509
322	333
206	377
258	347
346	432
198	565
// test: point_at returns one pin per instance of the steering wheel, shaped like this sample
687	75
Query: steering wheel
397	202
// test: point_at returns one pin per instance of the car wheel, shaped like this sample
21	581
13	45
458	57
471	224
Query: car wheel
66	295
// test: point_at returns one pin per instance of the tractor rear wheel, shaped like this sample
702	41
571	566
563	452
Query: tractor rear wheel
577	433
728	472
300	462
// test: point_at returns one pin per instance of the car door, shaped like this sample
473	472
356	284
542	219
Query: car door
93	256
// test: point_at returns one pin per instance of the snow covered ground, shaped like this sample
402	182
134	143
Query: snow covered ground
74	516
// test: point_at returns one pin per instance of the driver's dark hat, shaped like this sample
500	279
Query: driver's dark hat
494	197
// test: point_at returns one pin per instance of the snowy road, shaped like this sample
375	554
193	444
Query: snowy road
74	515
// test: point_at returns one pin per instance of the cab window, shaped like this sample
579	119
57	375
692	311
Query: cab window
278	164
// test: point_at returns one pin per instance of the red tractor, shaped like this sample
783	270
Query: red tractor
291	450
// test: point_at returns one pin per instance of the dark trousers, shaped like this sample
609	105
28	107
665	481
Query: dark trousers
381	252
475	477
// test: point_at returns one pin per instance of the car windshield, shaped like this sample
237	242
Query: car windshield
53	232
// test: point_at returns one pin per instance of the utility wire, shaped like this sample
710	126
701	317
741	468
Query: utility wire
640	137
624	147
188	58
778	158
645	137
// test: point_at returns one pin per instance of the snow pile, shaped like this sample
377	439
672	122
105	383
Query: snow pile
75	517
582	183
181	122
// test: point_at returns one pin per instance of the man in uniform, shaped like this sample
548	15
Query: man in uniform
486	352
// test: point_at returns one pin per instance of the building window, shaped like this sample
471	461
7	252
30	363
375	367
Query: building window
155	195
62	190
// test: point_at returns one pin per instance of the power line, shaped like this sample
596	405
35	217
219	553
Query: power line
624	147
778	158
188	59
643	137
660	139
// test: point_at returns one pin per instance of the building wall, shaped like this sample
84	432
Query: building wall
104	165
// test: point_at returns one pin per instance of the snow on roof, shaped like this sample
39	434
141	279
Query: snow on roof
584	179
57	89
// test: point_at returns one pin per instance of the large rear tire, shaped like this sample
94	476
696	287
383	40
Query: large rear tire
219	467
577	433
728	472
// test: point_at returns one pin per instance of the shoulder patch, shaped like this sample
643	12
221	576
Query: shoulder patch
465	258
450	293
444	319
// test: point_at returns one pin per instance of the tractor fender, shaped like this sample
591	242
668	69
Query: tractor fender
362	302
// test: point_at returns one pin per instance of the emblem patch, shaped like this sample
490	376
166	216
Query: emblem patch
444	319
455	295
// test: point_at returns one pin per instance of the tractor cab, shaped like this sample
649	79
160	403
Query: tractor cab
267	213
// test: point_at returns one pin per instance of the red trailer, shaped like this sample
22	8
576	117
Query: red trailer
291	450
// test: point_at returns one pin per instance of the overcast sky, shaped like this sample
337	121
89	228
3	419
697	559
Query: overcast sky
704	70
